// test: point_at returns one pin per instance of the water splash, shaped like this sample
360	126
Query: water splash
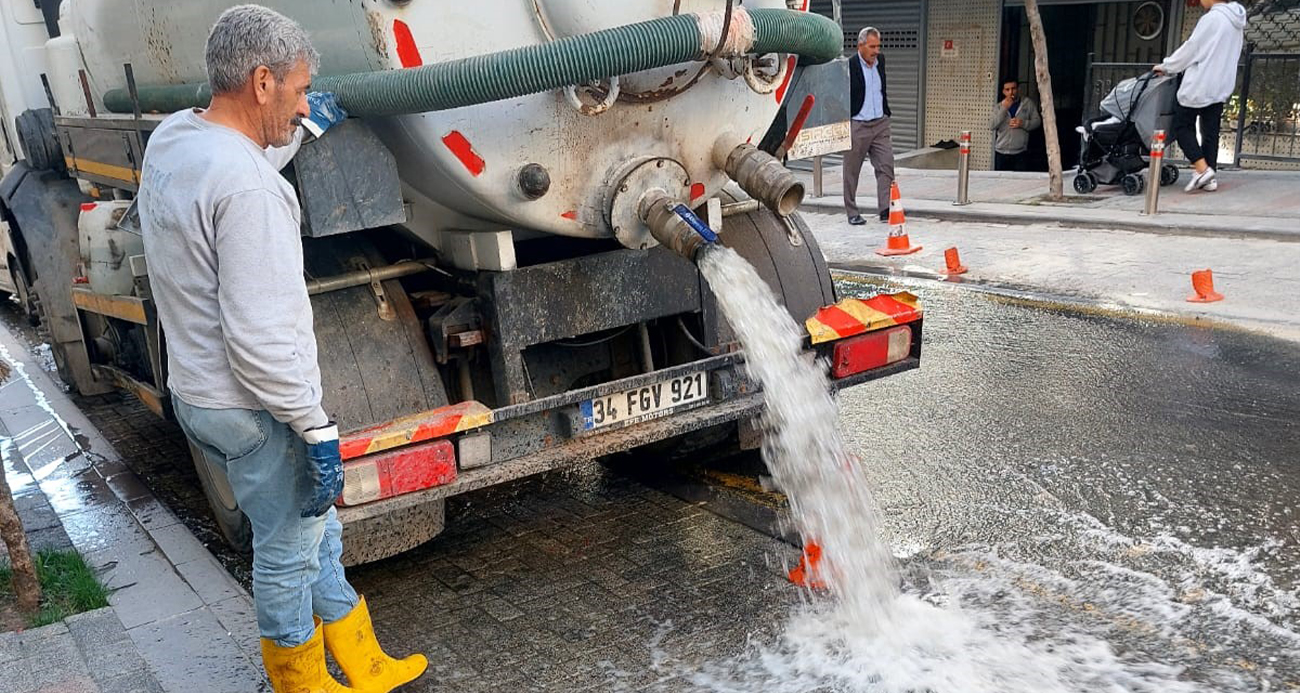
986	623
830	496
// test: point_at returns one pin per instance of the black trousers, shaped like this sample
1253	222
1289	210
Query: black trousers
1011	162
1184	126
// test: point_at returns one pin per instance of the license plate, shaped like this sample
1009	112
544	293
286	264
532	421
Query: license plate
644	403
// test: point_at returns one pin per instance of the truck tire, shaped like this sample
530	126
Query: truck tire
43	208
797	273
232	522
23	292
37	133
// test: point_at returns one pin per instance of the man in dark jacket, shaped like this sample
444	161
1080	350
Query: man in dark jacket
869	111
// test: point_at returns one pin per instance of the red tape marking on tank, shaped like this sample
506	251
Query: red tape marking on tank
407	52
697	191
785	83
461	147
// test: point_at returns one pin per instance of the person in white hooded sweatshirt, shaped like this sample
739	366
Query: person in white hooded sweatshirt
1208	63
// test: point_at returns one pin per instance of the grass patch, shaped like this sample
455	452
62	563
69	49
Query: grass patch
68	586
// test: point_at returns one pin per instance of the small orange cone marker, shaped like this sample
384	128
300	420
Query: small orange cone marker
897	244
1203	284
953	260
807	573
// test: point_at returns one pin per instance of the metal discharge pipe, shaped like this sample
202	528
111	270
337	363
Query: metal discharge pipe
762	176
674	225
544	67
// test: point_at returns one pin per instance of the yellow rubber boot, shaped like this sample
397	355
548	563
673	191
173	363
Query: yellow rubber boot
300	669
351	640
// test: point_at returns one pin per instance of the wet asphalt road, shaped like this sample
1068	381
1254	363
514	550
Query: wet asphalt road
1130	478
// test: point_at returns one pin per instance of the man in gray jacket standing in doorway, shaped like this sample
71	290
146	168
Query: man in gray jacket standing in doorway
1013	118
869	109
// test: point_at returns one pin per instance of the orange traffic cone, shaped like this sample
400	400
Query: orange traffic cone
807	573
953	260
897	244
1203	284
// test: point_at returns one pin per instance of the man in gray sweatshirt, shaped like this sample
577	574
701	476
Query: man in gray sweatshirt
1012	120
222	240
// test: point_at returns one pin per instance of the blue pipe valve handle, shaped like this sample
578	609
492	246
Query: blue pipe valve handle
696	223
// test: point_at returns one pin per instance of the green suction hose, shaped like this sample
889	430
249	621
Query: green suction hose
531	69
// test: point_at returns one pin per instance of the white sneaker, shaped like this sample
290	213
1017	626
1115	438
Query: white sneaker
1200	180
1212	185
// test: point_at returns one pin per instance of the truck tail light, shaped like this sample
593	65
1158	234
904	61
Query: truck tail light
393	473
871	350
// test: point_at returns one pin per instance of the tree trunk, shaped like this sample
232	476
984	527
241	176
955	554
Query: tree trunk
1045	97
26	588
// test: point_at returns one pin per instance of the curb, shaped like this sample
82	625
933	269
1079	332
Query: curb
1169	223
190	621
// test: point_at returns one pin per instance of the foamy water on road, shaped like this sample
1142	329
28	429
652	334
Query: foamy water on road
980	618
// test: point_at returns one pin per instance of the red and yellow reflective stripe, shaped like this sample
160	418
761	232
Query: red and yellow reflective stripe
416	428
855	316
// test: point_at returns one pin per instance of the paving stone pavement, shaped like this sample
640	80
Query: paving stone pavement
577	581
176	622
86	653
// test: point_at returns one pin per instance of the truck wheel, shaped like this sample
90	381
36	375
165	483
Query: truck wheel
797	273
59	351
26	299
230	519
36	131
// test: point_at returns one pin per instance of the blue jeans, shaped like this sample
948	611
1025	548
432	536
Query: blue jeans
296	568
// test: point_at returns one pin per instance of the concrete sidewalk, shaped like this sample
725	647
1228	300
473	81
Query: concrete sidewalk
1103	269
1248	204
176	621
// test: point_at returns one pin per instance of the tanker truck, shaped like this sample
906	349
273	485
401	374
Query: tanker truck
497	243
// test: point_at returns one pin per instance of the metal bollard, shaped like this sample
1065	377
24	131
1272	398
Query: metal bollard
817	177
963	170
1153	172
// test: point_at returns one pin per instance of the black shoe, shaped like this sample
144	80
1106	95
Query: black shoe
857	220
884	215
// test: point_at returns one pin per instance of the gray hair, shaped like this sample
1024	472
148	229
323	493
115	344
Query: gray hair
248	36
868	31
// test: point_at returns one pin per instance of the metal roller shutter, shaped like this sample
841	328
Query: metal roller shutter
901	25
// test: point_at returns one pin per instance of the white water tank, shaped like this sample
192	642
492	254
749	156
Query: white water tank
106	249
461	168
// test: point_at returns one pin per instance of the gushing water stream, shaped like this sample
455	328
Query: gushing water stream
985	625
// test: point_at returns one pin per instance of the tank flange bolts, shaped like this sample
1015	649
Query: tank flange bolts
534	181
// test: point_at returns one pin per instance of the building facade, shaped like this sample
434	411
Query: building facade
947	60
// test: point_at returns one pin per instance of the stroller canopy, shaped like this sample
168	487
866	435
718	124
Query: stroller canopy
1148	101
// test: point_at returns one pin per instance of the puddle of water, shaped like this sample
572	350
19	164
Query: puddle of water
972	620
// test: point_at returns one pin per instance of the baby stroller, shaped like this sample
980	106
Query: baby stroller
1116	144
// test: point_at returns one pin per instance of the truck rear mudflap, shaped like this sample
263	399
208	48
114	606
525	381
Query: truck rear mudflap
467	446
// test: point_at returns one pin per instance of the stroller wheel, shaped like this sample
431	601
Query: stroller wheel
1168	174
1132	184
1085	183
